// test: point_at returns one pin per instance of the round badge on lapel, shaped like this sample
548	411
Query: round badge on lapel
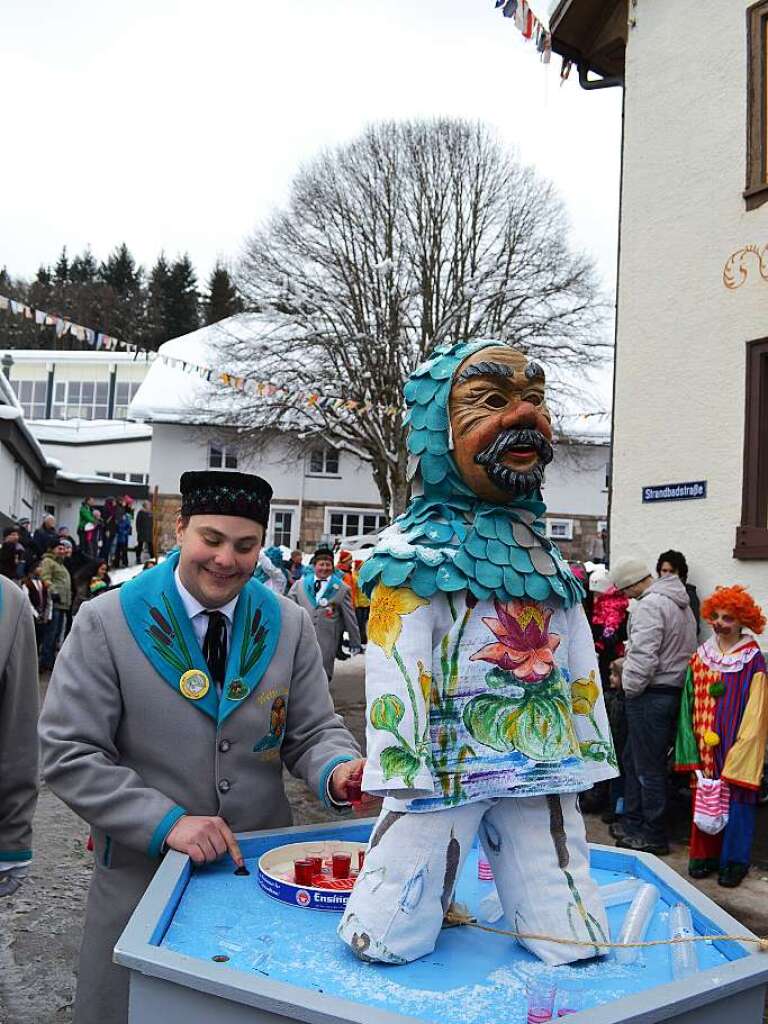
237	690
194	684
323	602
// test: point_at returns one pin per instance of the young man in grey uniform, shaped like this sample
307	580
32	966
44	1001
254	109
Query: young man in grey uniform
174	704
328	601
19	703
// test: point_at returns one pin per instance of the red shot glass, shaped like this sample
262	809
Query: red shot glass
360	859
303	871
341	865
354	790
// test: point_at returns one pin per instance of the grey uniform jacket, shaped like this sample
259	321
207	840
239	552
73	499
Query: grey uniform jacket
125	751
19	703
330	621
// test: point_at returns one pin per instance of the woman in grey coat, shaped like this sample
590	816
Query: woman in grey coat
328	601
19	701
174	705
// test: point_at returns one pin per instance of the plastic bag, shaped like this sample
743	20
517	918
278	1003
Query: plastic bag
710	805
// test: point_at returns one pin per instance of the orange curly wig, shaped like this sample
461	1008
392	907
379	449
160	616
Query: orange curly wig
735	601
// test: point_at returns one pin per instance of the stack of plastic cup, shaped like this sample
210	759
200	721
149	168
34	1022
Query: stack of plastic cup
541	1000
484	872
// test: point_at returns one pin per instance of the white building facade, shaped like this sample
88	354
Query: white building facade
320	492
76	404
690	451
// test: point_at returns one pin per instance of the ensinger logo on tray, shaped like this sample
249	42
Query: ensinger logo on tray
303	898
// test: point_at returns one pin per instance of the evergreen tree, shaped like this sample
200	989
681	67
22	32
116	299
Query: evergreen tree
182	309
83	269
222	299
155	331
61	272
120	271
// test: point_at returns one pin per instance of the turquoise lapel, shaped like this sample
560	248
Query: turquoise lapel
330	591
158	622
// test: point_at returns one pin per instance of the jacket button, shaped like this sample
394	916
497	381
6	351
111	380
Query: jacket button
224	786
224	746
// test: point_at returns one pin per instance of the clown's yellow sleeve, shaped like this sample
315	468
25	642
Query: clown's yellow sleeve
744	762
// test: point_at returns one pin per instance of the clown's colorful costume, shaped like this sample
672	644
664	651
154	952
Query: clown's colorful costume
722	732
484	708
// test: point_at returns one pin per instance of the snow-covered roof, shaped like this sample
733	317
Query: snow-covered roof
581	405
171	394
77	431
10	409
91	355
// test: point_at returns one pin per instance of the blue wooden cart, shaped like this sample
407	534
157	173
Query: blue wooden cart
206	945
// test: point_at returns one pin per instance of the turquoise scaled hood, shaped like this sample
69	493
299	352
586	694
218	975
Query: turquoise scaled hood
450	540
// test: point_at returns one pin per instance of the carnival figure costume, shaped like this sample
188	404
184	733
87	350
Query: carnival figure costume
484	709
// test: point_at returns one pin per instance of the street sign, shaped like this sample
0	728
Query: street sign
675	492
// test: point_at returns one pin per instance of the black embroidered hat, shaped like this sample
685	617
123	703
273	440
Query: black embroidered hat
322	552
218	493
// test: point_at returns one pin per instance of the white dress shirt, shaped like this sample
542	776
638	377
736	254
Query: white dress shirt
196	612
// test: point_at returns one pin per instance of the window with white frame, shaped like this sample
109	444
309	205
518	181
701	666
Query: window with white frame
282	525
352	522
323	462
31	395
80	399
133	478
560	529
221	456
124	392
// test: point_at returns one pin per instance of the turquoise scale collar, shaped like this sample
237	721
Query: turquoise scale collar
450	540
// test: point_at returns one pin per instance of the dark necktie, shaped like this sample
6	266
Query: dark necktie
318	584
215	646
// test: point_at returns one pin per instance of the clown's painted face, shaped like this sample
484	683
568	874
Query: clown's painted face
500	424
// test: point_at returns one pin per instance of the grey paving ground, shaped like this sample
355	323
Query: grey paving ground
41	927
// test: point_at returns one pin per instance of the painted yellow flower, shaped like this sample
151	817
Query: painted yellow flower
388	605
425	681
584	694
711	738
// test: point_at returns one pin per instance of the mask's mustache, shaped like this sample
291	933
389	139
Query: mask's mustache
526	437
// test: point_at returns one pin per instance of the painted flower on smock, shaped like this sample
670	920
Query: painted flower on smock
388	605
524	646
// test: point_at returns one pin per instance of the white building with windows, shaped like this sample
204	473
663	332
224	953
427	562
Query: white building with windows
76	405
690	445
325	493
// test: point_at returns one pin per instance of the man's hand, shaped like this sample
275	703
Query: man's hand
204	839
345	786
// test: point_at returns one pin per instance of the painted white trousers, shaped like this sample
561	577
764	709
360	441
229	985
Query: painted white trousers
537	849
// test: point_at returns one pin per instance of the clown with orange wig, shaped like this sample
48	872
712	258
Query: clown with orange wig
723	728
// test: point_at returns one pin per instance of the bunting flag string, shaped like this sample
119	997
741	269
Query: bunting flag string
247	385
528	25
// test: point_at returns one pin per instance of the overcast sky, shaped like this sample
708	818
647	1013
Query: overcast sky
178	124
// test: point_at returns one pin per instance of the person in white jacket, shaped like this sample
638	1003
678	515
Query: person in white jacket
662	638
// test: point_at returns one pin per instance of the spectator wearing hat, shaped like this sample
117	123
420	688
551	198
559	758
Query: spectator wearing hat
662	637
328	601
175	703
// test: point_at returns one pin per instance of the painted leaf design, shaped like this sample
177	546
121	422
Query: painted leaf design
387	712
396	761
541	729
383	826
481	719
452	859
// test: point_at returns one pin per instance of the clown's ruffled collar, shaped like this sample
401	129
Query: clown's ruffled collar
730	661
448	539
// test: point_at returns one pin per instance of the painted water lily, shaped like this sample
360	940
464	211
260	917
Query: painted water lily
524	646
388	605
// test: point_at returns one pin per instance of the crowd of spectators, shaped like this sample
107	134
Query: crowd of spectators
59	571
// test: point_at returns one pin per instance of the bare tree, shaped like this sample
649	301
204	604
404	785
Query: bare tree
414	234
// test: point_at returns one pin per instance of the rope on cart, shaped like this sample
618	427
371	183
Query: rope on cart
457	916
